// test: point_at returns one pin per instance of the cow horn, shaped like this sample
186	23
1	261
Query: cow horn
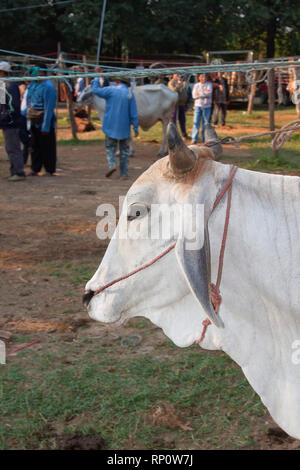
181	158
211	135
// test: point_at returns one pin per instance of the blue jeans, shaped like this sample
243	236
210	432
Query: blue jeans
111	147
200	114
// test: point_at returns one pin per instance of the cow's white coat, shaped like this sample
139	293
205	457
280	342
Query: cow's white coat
260	291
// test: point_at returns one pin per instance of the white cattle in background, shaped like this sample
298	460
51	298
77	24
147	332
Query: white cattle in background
258	323
154	103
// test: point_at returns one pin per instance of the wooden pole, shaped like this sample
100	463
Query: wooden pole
86	70
69	101
296	74
252	93
271	98
57	85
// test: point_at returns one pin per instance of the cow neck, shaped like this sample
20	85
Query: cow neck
215	296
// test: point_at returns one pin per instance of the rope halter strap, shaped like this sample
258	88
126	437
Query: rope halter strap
215	296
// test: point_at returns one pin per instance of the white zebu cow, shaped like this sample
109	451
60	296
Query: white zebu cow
258	324
154	103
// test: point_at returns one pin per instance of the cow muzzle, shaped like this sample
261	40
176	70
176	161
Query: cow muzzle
87	297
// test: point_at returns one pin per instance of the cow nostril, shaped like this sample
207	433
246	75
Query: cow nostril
87	297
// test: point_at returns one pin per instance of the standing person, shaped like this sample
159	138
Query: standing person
10	123
176	84
202	94
24	133
220	99
103	81
79	85
41	102
120	113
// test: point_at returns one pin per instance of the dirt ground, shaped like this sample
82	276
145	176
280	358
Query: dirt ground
50	221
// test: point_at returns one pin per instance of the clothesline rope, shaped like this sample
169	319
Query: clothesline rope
133	73
121	72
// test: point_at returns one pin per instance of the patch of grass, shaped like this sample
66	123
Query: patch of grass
77	274
76	142
81	274
138	323
270	162
106	392
68	310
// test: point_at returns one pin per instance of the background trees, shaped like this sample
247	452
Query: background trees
269	27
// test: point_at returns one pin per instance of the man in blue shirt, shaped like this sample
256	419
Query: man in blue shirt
10	123
41	97
120	113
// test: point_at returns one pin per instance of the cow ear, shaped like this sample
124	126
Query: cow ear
195	265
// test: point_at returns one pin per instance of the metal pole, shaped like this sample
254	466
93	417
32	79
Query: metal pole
100	31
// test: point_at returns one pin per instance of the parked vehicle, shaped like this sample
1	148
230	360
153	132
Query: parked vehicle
282	93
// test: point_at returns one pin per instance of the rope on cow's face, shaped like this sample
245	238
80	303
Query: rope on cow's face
215	296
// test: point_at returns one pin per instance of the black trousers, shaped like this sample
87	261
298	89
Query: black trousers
219	107
43	150
24	138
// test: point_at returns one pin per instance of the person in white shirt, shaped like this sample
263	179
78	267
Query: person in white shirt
202	94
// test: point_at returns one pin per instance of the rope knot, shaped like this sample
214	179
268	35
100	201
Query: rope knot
205	324
215	297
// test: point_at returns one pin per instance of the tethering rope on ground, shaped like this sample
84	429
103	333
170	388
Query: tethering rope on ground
282	135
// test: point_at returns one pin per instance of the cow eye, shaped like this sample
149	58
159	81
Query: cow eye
136	211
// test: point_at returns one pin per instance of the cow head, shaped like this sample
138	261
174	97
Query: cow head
86	97
174	291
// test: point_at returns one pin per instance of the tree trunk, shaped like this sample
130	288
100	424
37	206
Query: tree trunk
252	94
271	34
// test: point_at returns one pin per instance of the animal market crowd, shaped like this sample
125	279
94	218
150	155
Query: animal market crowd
28	120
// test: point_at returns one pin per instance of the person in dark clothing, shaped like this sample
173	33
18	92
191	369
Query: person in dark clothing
41	102
24	135
176	84
10	123
220	99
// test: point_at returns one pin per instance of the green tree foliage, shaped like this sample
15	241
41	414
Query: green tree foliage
138	27
270	27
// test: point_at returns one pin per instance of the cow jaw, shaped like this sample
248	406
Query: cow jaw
172	307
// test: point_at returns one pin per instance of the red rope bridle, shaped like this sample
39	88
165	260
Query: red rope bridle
214	288
215	296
